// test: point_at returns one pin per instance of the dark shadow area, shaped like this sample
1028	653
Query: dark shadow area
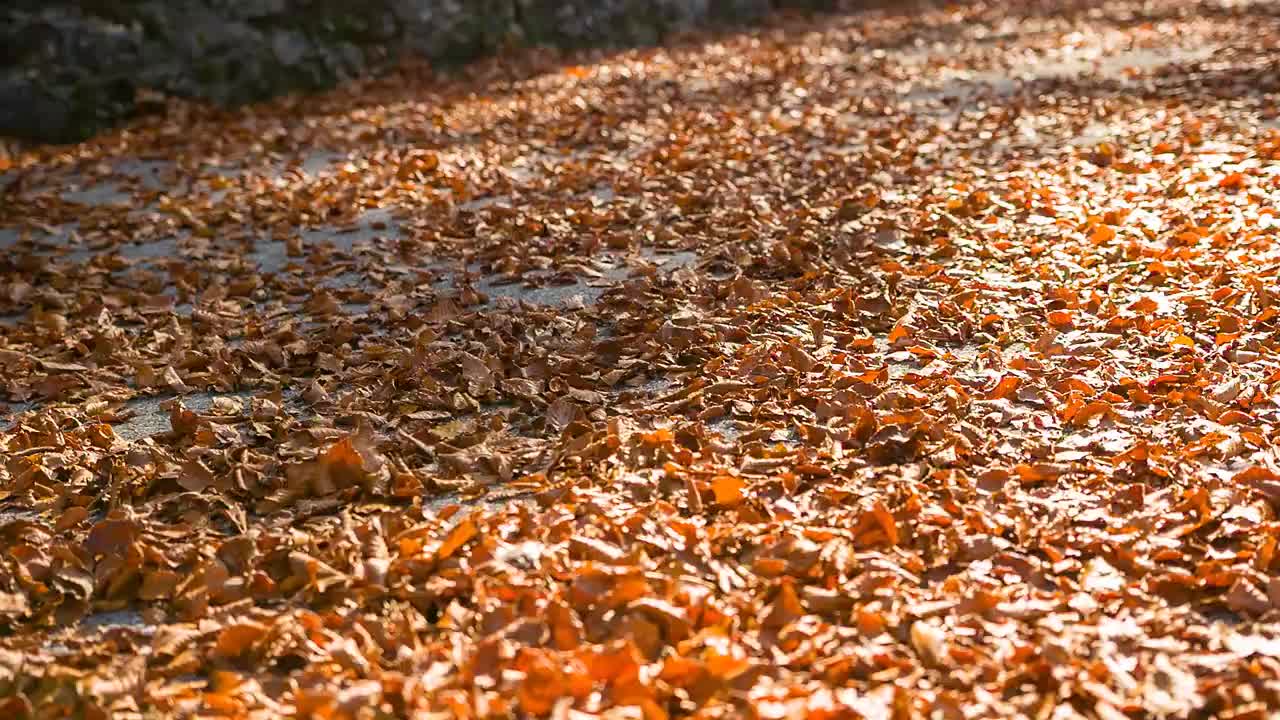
69	69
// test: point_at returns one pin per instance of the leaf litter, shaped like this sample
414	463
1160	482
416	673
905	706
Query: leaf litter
957	403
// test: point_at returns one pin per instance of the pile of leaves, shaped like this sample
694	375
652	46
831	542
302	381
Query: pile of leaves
912	364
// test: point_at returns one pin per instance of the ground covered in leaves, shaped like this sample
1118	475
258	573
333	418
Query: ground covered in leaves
883	365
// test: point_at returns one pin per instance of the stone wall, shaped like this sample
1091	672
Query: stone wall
69	68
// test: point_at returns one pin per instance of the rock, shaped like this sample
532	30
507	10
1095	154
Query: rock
69	68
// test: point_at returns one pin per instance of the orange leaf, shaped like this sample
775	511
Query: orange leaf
1089	412
1255	474
1233	181
786	606
543	684
899	332
887	523
1061	318
728	489
618	662
112	537
344	464
158	584
71	517
1143	306
1038	473
235	640
457	537
1007	385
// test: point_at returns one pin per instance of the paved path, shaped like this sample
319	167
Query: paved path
880	365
